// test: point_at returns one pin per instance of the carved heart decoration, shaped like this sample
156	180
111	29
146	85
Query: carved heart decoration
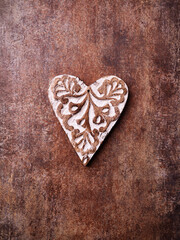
87	113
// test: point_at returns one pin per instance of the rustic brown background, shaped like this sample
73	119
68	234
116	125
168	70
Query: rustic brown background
129	190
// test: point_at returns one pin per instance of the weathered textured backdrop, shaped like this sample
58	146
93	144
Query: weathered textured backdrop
129	190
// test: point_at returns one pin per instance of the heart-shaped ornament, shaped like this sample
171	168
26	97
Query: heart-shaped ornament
87	113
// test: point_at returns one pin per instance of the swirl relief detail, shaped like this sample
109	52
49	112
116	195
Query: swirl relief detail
87	113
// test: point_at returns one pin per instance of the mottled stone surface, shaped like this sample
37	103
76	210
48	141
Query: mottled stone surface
129	191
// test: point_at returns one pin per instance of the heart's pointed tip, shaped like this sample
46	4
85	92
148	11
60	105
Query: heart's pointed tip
84	164
85	160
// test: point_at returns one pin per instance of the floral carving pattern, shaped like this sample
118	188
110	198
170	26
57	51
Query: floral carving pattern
87	111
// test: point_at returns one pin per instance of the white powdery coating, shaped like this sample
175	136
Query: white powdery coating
94	87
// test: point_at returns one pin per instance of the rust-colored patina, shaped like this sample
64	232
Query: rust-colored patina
129	189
